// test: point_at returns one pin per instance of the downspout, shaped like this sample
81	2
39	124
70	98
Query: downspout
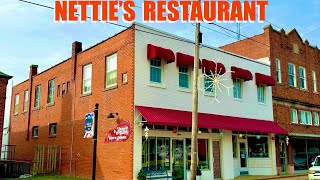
33	72
72	130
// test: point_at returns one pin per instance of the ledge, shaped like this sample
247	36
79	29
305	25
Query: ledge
157	85
85	95
54	136
111	87
186	90
50	104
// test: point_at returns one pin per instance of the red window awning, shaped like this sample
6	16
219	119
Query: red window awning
210	66
154	52
169	117
264	79
239	73
186	60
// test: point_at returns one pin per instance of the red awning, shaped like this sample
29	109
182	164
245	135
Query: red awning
264	79
159	52
208	66
169	117
239	73
186	60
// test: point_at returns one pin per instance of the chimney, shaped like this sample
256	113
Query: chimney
76	48
33	70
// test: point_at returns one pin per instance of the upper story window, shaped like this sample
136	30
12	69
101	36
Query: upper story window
64	88
278	71
208	86
37	97
35	131
111	74
155	71
184	77
305	118
302	77
87	76
294	116
314	79
26	100
316	119
58	90
53	130
292	75
295	48
51	92
261	93
16	104
237	89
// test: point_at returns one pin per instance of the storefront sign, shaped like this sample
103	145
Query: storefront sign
120	134
88	126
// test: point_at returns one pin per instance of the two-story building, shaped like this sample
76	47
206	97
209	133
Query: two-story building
296	101
143	77
4	78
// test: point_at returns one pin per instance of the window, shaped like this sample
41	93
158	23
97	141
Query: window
203	156
53	130
314	79
26	100
68	87
316	119
183	77
292	75
156	151
208	86
64	89
305	118
234	146
237	89
278	71
294	116
295	48
111	79
303	79
124	78
155	71
258	147
35	131
58	91
16	104
37	97
87	75
51	92
261	94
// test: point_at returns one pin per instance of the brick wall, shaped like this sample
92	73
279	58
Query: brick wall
3	90
114	160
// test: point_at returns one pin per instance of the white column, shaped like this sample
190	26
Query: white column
226	156
137	149
273	154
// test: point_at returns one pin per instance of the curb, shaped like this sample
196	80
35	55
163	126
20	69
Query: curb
280	177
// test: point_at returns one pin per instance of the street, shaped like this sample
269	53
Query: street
295	178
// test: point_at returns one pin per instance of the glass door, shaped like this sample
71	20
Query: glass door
283	156
178	164
243	158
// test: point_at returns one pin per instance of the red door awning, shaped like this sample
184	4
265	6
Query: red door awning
169	117
238	73
186	60
154	52
264	79
210	66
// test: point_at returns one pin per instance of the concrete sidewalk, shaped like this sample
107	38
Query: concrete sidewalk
270	177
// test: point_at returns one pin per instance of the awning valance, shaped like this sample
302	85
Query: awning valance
186	60
154	52
264	79
210	66
169	117
239	73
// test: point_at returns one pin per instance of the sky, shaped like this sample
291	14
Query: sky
28	34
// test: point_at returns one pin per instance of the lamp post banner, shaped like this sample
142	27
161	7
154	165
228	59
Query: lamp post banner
88	125
120	134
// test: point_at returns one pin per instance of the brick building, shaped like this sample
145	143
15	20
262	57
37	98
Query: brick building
143	76
296	100
4	78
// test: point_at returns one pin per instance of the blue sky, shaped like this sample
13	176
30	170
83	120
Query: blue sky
29	35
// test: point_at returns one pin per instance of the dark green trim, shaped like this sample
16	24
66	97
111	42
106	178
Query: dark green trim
5	75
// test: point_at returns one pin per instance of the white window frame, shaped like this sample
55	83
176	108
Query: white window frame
113	70
241	88
264	94
304	78
87	80
304	114
294	75
316	118
26	100
278	71
296	116
37	99
161	69
49	94
185	73
16	104
314	79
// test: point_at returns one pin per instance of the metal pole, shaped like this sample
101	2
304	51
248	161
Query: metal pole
95	137
194	140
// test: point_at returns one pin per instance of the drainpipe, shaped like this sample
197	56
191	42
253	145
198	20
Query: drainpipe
33	72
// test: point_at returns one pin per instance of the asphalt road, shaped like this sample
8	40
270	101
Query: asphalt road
295	178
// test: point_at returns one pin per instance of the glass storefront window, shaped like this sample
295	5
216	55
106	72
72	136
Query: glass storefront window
203	156
156	153
304	152
258	148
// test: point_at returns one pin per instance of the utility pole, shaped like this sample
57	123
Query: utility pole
95	137
194	139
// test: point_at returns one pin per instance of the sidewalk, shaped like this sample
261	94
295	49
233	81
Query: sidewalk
270	177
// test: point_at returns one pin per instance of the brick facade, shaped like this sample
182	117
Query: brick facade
280	45
114	160
3	90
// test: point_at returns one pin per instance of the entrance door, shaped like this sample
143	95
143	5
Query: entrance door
283	156
243	157
178	158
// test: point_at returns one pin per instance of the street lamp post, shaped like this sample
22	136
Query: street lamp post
95	137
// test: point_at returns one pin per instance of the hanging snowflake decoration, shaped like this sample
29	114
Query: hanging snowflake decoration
215	81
